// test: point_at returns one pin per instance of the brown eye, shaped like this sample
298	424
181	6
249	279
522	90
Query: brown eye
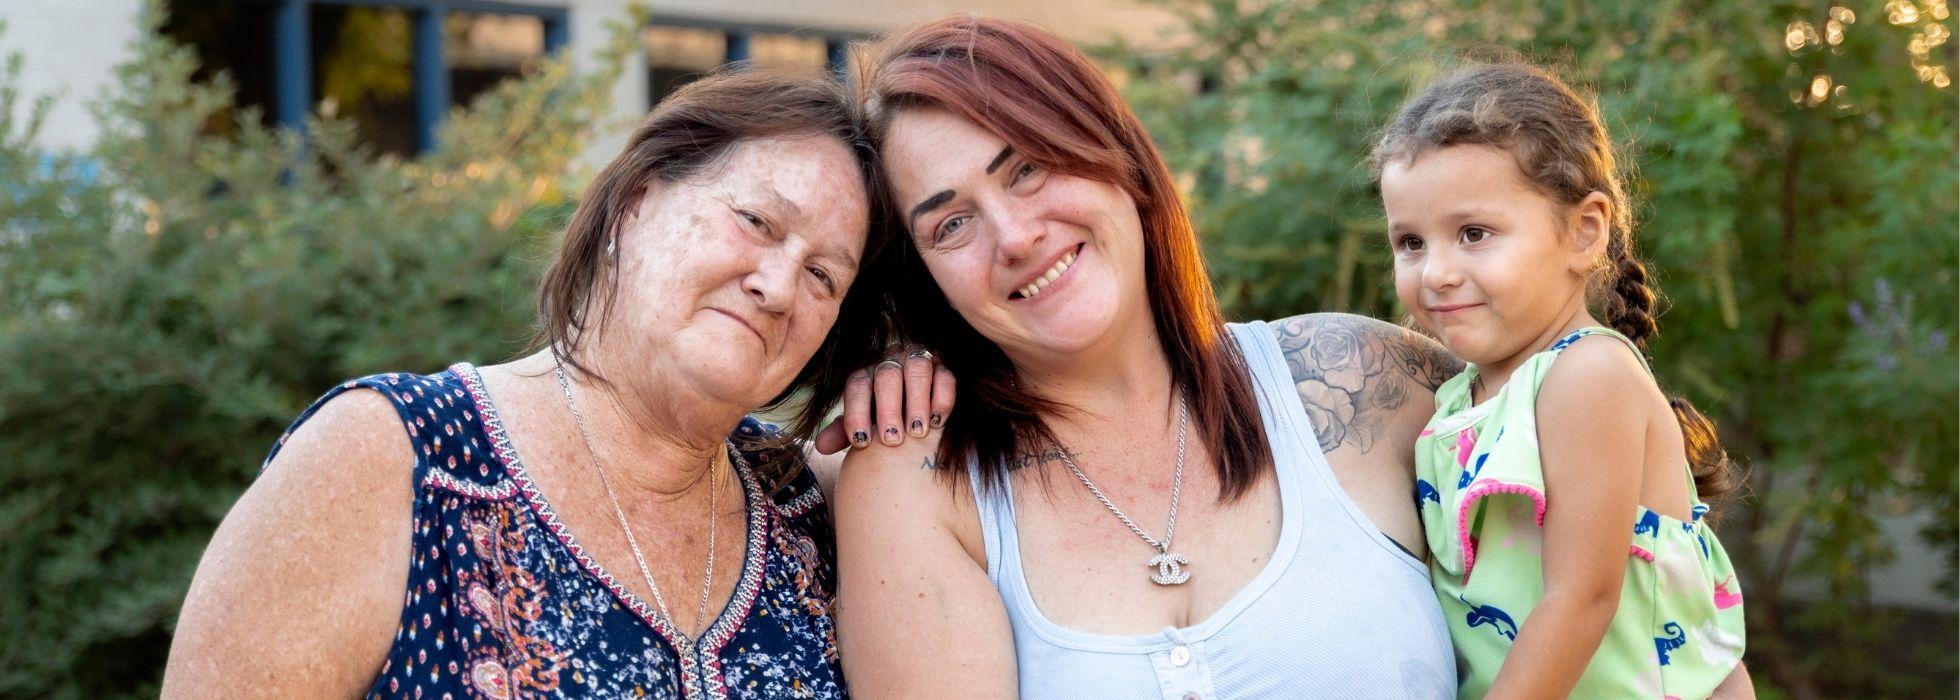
1474	234
1408	243
823	277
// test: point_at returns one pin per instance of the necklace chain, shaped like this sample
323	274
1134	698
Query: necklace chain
1177	486
707	577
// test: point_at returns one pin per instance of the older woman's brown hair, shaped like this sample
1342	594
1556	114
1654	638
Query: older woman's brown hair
688	133
1046	99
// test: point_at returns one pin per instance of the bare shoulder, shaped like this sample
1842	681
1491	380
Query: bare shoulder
916	614
1356	375
1589	388
314	555
881	486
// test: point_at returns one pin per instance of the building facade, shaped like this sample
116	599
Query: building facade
396	67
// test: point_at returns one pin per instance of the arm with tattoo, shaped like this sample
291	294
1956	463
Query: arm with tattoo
1355	373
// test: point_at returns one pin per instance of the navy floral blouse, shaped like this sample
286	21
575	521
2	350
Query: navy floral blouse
502	602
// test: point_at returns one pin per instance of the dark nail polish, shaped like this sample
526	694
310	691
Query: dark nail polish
859	438
917	425
891	431
937	420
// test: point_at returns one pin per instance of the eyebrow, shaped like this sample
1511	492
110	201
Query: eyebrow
944	196
777	198
999	158
930	204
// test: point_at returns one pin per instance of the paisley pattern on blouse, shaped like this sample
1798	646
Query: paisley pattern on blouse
502	602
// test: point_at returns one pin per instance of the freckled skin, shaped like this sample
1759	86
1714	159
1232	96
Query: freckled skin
689	252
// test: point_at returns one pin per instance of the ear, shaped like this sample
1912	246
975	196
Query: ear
1592	229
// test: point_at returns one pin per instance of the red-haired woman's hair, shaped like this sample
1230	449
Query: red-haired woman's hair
1051	103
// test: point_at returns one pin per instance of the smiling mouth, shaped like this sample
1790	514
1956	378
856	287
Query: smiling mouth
1034	288
745	324
1453	308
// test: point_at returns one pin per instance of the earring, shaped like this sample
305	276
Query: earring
612	247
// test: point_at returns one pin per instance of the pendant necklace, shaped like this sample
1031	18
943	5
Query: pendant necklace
1169	565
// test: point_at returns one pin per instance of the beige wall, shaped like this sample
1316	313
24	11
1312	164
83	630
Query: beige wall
1087	21
1081	20
70	47
69	50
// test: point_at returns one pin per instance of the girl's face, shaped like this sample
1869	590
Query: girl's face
1039	262
1484	262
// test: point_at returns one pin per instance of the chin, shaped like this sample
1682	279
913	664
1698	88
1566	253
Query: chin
734	376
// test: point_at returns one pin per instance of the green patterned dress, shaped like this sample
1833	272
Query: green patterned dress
1481	490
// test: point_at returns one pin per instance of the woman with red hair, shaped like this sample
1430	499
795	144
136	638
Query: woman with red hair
1050	540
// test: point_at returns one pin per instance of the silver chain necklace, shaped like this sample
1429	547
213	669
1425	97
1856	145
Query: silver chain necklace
707	577
1170	565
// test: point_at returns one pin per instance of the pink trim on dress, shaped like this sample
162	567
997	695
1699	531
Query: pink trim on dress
1478	490
1637	551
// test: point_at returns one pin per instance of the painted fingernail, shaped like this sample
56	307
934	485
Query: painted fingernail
937	420
918	427
891	434
860	439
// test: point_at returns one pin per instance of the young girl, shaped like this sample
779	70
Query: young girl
1560	490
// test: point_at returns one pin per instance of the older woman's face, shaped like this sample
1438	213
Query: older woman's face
730	281
1037	262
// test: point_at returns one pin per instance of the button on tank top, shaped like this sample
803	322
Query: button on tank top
1338	611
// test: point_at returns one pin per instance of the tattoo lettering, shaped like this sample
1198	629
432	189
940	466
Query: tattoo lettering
1353	373
1025	459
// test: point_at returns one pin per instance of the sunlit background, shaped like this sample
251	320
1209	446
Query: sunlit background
213	210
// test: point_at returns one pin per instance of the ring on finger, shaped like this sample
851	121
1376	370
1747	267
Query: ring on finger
894	363
922	352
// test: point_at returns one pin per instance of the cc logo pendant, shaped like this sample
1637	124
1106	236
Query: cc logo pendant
1170	569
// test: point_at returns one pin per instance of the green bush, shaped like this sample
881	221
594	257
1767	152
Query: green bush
172	299
1796	161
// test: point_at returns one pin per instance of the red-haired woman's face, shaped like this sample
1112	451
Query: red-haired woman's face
1039	262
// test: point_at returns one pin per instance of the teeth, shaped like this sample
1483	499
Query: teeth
1060	267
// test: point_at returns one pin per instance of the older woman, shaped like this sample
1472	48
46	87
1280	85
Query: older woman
1130	498
598	518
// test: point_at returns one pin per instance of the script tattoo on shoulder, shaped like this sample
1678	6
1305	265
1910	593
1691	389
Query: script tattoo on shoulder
1024	459
1353	373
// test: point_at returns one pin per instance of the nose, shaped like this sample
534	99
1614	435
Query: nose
1441	271
1020	232
772	283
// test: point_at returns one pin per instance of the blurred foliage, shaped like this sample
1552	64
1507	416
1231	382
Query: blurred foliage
1796	167
173	298
170	299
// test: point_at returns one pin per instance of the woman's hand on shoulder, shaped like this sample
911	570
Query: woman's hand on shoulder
916	613
1358	376
300	591
907	394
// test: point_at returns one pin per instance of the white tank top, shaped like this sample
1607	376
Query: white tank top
1339	611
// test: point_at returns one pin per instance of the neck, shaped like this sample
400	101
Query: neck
654	437
1495	375
1110	383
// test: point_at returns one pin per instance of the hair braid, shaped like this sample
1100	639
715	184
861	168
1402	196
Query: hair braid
1628	304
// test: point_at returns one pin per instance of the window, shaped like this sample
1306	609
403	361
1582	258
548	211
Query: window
394	67
679	50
